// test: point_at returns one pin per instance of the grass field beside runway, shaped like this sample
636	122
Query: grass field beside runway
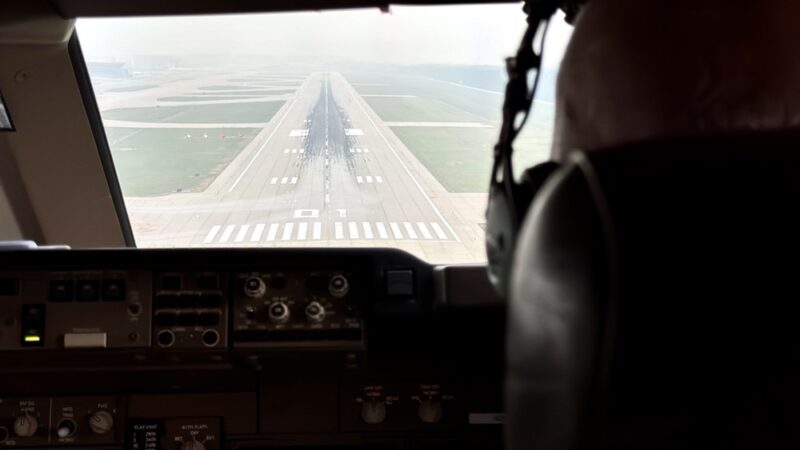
227	87
202	98
219	113
157	161
132	88
459	158
473	104
250	92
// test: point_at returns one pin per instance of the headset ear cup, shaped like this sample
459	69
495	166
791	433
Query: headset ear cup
500	234
504	215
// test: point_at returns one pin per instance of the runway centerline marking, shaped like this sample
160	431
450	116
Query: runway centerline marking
258	152
402	164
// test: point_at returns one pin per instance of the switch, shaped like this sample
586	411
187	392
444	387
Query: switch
113	290
62	291
400	283
32	322
87	291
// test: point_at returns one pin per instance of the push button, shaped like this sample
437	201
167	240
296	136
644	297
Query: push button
32	322
113	290
62	291
400	283
87	291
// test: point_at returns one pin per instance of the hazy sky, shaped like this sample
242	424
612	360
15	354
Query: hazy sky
474	34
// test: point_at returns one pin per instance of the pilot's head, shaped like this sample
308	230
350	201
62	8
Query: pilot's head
637	70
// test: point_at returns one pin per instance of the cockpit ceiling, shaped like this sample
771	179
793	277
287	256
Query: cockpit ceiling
104	8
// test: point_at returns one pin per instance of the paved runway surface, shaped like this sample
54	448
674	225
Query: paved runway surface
325	171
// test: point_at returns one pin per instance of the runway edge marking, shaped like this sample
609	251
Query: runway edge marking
266	141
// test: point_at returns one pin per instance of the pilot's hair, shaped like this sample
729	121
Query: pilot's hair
638	70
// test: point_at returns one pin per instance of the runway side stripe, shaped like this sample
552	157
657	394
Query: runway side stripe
338	230
257	232
353	229
396	231
382	230
242	233
301	231
438	230
410	230
367	230
317	233
273	231
227	233
287	231
211	234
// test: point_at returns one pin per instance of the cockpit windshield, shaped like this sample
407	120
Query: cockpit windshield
336	129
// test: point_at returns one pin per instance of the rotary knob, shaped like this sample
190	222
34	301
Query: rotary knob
315	313
193	445
338	286
101	422
373	412
430	411
254	287
278	312
65	428
25	426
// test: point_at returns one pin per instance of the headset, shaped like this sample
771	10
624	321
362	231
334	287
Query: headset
509	200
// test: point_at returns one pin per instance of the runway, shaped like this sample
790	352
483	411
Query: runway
324	171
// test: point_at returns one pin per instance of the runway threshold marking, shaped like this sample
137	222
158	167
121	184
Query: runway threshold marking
257	232
399	160
227	233
302	231
317	233
273	231
396	231
410	230
242	233
212	233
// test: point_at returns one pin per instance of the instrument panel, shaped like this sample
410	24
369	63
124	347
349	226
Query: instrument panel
240	349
